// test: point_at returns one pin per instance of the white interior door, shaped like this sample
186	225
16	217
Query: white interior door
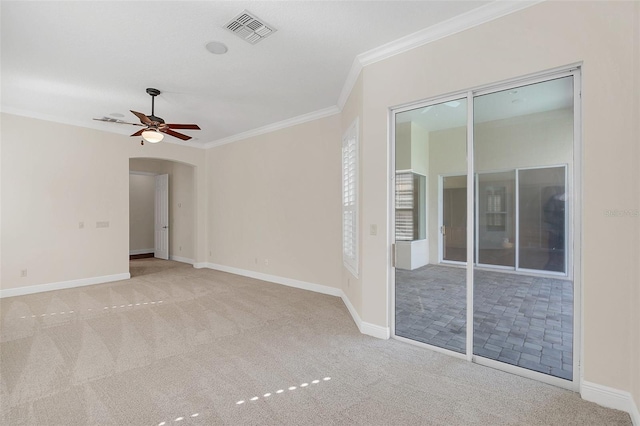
161	249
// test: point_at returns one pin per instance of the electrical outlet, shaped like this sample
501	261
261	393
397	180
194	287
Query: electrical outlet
23	273
266	262
81	225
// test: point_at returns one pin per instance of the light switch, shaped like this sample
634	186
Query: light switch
373	229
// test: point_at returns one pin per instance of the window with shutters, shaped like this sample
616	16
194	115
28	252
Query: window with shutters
410	206
350	198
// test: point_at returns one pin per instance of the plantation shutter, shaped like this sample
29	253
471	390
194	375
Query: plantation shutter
350	198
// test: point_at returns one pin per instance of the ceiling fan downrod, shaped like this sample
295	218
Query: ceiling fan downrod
153	92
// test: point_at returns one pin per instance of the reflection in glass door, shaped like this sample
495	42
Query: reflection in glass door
514	226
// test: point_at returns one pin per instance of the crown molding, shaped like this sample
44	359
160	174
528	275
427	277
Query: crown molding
473	18
322	113
350	82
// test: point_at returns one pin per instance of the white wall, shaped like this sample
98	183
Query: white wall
275	203
141	213
603	37
55	176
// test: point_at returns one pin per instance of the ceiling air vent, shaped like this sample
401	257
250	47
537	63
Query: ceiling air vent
250	28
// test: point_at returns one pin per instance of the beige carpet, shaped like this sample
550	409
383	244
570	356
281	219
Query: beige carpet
177	345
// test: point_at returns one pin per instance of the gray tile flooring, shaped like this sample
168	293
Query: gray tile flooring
518	319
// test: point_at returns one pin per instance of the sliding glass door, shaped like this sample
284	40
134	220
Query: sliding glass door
431	300
524	316
492	275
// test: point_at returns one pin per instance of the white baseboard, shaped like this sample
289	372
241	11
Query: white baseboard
141	251
365	327
39	288
375	330
318	288
183	260
611	398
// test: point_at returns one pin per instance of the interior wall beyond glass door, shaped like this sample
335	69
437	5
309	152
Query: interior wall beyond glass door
524	315
430	152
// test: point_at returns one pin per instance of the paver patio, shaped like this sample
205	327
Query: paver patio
518	319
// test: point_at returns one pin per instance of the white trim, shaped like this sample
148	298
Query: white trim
365	327
471	225
525	372
304	285
473	18
315	115
349	83
576	231
375	330
454	25
431	347
141	251
392	174
182	259
61	285
611	398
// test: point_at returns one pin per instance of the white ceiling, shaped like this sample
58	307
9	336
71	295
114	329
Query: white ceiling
73	61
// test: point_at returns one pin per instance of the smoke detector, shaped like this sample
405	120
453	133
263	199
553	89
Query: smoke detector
250	28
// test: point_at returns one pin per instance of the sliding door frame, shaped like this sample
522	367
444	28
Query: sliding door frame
573	232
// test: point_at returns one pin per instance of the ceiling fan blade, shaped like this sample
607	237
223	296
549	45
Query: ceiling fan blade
183	126
114	120
143	118
176	134
139	132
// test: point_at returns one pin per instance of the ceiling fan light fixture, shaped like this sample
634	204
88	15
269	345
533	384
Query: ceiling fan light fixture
152	136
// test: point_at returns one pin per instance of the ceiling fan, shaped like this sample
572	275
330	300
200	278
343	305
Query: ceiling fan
154	126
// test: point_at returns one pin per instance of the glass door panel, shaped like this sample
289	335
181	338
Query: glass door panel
522	296
430	297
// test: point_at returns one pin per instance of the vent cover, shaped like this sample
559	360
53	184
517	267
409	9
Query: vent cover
250	28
